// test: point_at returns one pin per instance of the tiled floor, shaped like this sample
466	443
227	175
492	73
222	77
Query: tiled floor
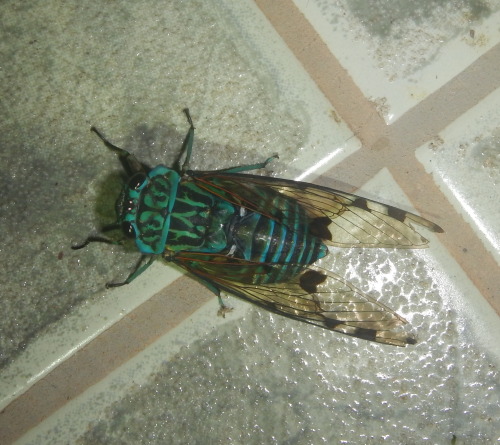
400	102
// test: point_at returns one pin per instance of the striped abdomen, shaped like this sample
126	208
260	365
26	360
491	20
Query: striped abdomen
258	238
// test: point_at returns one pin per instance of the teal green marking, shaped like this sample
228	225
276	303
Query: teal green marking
198	220
279	250
148	207
267	245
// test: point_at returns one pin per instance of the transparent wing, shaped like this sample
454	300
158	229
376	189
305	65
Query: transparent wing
338	218
316	296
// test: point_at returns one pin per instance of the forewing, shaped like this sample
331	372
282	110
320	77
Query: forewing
340	219
314	296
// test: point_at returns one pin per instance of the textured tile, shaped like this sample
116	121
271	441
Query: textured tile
399	53
465	160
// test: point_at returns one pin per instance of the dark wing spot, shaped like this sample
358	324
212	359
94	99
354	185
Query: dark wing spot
393	212
330	323
364	333
361	203
310	279
319	227
367	334
396	213
411	340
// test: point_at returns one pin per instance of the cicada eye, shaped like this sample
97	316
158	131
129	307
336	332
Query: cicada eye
136	181
128	229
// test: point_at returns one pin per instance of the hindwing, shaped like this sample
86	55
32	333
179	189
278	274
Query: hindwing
315	295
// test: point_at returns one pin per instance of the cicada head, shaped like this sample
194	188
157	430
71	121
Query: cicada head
145	205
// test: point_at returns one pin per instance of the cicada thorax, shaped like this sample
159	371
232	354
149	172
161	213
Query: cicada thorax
145	207
199	220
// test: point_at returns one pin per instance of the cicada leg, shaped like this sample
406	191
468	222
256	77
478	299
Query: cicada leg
223	309
99	239
139	269
187	148
246	168
128	160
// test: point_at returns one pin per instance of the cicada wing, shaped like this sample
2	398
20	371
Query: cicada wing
340	219
315	296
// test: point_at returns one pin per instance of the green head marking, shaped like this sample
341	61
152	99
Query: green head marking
145	206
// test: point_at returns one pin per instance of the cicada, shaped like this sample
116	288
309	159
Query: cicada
260	238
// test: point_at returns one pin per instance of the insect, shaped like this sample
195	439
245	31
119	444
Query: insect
260	238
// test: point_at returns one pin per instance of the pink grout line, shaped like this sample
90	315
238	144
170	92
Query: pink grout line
110	350
394	146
